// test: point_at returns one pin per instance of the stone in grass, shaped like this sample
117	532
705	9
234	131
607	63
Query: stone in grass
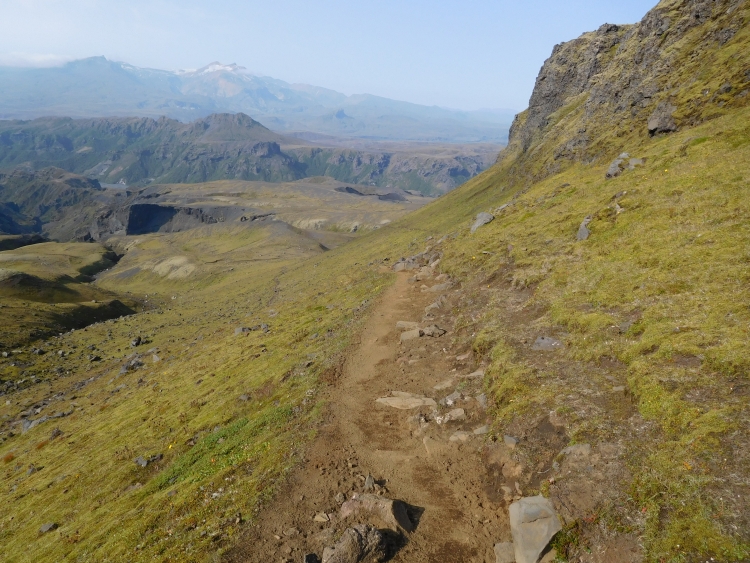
533	523
482	219
360	544
583	230
48	527
546	344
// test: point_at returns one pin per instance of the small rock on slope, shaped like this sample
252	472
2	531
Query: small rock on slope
533	522
482	219
392	513
583	230
360	544
662	120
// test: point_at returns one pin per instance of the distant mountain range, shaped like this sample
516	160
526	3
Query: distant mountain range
97	87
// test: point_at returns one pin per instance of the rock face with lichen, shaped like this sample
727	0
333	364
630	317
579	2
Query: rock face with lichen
636	79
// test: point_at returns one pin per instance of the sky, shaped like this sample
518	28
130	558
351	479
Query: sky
463	54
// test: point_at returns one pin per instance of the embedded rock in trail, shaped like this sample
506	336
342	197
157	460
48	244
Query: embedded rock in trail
407	325
533	523
406	401
662	120
411	335
439	287
360	544
504	553
391	513
434	331
482	219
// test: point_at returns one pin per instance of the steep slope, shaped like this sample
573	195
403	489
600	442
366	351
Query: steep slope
96	87
642	372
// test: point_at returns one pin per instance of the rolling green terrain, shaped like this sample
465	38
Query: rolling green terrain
640	270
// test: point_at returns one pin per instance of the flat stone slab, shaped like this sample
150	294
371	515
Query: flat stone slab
533	523
447	384
460	436
411	334
473	375
407	325
406	401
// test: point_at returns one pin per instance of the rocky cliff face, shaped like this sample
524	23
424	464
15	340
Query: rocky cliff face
668	71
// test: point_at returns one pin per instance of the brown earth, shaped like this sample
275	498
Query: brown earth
442	482
458	490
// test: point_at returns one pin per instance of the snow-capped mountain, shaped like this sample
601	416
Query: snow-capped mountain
97	87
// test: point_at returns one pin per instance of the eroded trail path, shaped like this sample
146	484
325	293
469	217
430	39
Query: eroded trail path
435	468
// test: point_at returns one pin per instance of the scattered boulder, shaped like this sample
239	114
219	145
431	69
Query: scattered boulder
482	219
434	331
241	330
617	166
546	344
392	513
504	553
143	462
131	364
451	399
48	527
407	325
311	558
481	430
360	544
533	523
460	436
662	120
455	414
510	441
136	342
583	230
439	287
411	334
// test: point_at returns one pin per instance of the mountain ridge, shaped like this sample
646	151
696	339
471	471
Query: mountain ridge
98	87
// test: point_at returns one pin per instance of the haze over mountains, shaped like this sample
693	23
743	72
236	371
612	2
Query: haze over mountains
97	87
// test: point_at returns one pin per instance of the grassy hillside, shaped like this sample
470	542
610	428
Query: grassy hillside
650	309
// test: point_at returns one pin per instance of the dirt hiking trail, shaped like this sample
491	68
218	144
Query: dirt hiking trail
436	469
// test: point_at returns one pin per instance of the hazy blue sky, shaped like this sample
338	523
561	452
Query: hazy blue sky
465	54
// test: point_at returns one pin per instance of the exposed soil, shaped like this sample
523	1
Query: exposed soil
443	482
